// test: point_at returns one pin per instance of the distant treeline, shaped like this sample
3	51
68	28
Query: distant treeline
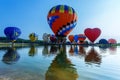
19	40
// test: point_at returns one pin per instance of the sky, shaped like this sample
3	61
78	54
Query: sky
31	16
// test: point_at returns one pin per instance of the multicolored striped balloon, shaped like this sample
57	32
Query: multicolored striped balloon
62	19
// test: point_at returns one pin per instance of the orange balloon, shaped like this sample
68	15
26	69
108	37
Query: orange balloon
71	38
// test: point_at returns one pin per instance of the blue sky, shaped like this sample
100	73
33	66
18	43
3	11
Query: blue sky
31	16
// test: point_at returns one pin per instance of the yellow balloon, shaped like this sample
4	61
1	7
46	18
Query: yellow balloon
33	37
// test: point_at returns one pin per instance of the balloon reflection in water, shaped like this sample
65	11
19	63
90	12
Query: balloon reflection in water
76	50
53	49
82	51
103	45
45	51
71	51
61	68
32	51
112	49
11	56
93	57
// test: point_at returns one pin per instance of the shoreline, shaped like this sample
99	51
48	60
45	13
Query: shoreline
43	44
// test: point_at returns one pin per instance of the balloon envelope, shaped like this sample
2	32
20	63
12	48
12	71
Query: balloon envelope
103	41
12	33
112	41
62	19
45	37
53	38
92	34
76	38
33	37
71	38
81	37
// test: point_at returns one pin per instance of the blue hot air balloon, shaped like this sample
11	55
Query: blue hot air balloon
76	38
103	43
12	33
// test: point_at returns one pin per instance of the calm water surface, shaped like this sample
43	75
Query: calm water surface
60	63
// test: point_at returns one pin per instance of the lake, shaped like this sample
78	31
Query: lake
60	62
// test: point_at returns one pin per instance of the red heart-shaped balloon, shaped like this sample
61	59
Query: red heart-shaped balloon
92	34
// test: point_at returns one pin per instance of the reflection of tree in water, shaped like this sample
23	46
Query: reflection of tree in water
32	51
61	68
93	57
11	56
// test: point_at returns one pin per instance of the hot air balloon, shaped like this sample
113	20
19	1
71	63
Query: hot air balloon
112	41
81	38
45	37
71	38
33	37
92	34
76	38
53	38
62	19
12	33
103	43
